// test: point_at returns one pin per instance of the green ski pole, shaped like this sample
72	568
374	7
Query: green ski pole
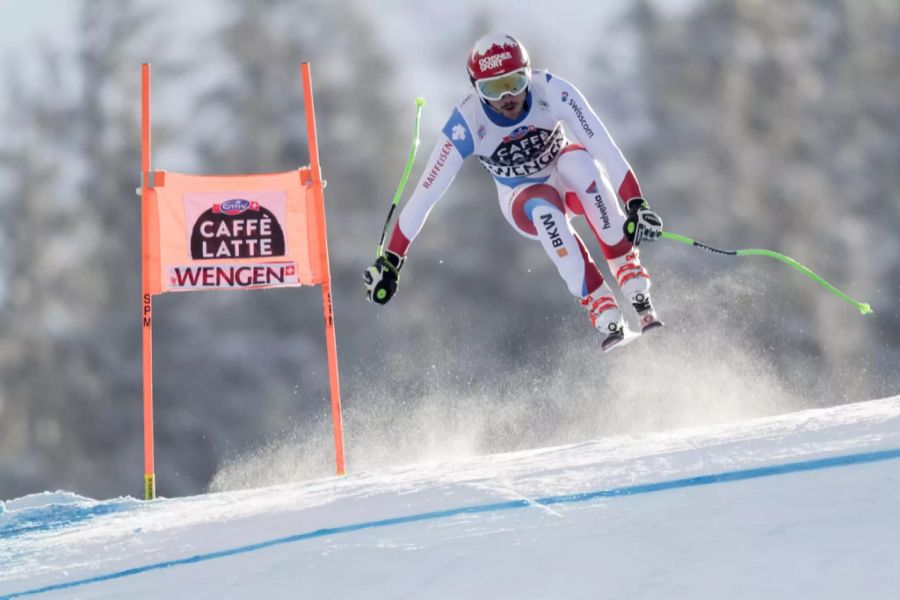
420	102
862	307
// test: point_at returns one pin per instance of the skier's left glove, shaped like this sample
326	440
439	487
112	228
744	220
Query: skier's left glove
382	277
642	223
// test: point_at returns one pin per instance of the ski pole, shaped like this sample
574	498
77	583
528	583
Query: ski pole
862	307
420	102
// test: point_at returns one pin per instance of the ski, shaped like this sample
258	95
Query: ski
628	335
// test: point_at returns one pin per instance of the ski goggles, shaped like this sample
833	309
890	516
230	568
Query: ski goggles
496	88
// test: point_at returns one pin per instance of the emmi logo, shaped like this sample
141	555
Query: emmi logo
553	232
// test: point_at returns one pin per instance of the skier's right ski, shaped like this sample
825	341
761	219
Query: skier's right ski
619	339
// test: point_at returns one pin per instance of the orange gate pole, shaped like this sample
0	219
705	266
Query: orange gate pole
146	294
327	306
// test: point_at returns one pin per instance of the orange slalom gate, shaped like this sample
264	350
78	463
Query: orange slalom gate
207	232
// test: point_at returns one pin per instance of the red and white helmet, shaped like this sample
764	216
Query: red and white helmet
499	65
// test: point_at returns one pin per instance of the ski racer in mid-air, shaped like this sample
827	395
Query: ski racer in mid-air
517	122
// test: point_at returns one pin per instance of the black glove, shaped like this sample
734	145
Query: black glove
382	277
642	223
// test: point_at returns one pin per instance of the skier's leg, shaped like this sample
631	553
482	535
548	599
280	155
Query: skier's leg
537	212
589	192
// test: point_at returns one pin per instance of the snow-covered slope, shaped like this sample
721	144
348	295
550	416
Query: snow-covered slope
798	506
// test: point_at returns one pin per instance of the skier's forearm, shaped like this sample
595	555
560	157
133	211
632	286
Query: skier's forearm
442	166
590	131
603	148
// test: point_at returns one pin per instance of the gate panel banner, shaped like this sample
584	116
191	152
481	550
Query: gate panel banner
214	232
233	232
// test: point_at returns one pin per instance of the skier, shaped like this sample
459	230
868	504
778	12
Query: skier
516	122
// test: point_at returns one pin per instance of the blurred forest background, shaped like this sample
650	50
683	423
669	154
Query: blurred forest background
749	124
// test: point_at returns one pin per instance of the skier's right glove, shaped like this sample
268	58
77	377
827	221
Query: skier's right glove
642	223
382	277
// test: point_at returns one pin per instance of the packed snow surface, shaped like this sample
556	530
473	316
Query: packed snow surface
797	506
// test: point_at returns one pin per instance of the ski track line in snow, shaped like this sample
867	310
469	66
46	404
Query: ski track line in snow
58	516
647	488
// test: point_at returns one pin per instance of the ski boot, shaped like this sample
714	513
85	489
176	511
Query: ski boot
645	312
606	317
634	281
